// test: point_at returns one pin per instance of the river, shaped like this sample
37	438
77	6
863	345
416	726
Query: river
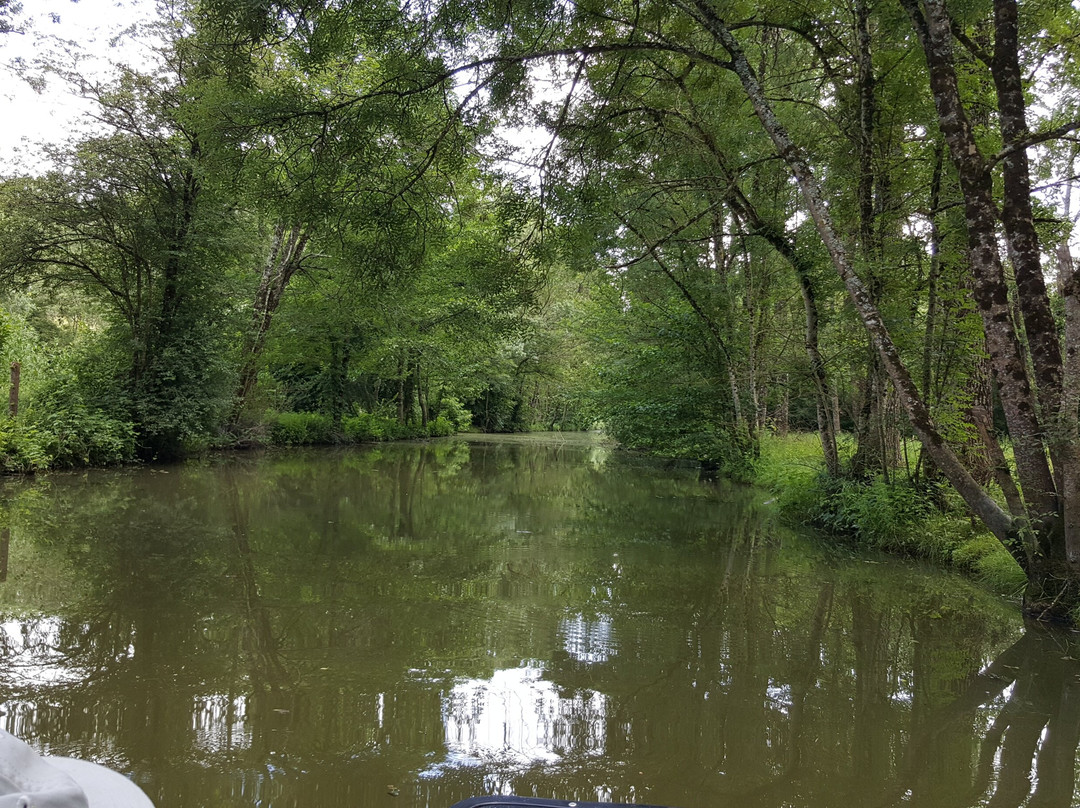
406	625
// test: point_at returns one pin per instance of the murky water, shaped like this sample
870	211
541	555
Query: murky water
409	625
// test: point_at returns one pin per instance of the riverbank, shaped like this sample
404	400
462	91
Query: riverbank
923	521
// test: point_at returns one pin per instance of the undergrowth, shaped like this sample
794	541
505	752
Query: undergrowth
924	520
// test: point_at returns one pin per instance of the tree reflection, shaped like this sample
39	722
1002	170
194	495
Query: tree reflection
1036	733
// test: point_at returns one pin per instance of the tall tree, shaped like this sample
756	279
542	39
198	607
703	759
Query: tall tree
131	218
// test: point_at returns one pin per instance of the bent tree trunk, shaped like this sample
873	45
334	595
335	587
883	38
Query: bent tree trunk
286	253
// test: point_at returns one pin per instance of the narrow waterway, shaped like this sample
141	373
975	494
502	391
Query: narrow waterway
408	625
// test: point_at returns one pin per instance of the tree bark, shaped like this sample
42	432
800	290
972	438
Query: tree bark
13	390
1070	405
1016	211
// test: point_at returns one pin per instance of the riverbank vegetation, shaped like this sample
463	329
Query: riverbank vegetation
305	223
925	521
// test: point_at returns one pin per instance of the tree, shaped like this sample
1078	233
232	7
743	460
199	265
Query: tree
131	218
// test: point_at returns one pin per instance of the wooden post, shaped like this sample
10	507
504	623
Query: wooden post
13	393
5	543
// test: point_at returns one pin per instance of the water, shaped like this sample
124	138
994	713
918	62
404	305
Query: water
408	625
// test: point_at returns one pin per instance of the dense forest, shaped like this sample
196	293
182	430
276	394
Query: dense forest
307	223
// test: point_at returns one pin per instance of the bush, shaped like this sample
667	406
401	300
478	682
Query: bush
365	427
368	426
877	513
80	419
78	435
22	448
301	428
453	411
897	516
441	427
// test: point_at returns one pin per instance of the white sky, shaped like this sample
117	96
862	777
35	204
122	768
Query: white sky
85	28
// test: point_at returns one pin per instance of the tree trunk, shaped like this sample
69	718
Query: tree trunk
421	398
286	253
873	443
13	390
1070	405
402	373
991	292
1016	212
782	416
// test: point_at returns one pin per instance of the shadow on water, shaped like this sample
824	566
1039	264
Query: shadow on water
328	628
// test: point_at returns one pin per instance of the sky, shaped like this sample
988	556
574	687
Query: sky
59	27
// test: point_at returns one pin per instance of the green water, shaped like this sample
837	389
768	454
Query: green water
535	615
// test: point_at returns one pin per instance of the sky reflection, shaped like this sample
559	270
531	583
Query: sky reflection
518	719
31	653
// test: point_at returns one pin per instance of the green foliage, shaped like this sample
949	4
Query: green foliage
23	448
301	428
897	517
875	512
365	426
791	469
653	397
312	428
450	409
75	434
441	427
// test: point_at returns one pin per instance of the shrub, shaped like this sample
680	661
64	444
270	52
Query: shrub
22	448
897	516
879	514
300	428
80	417
362	427
77	435
372	426
365	427
453	411
441	427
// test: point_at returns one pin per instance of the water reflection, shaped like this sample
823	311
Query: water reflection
1027	755
459	618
